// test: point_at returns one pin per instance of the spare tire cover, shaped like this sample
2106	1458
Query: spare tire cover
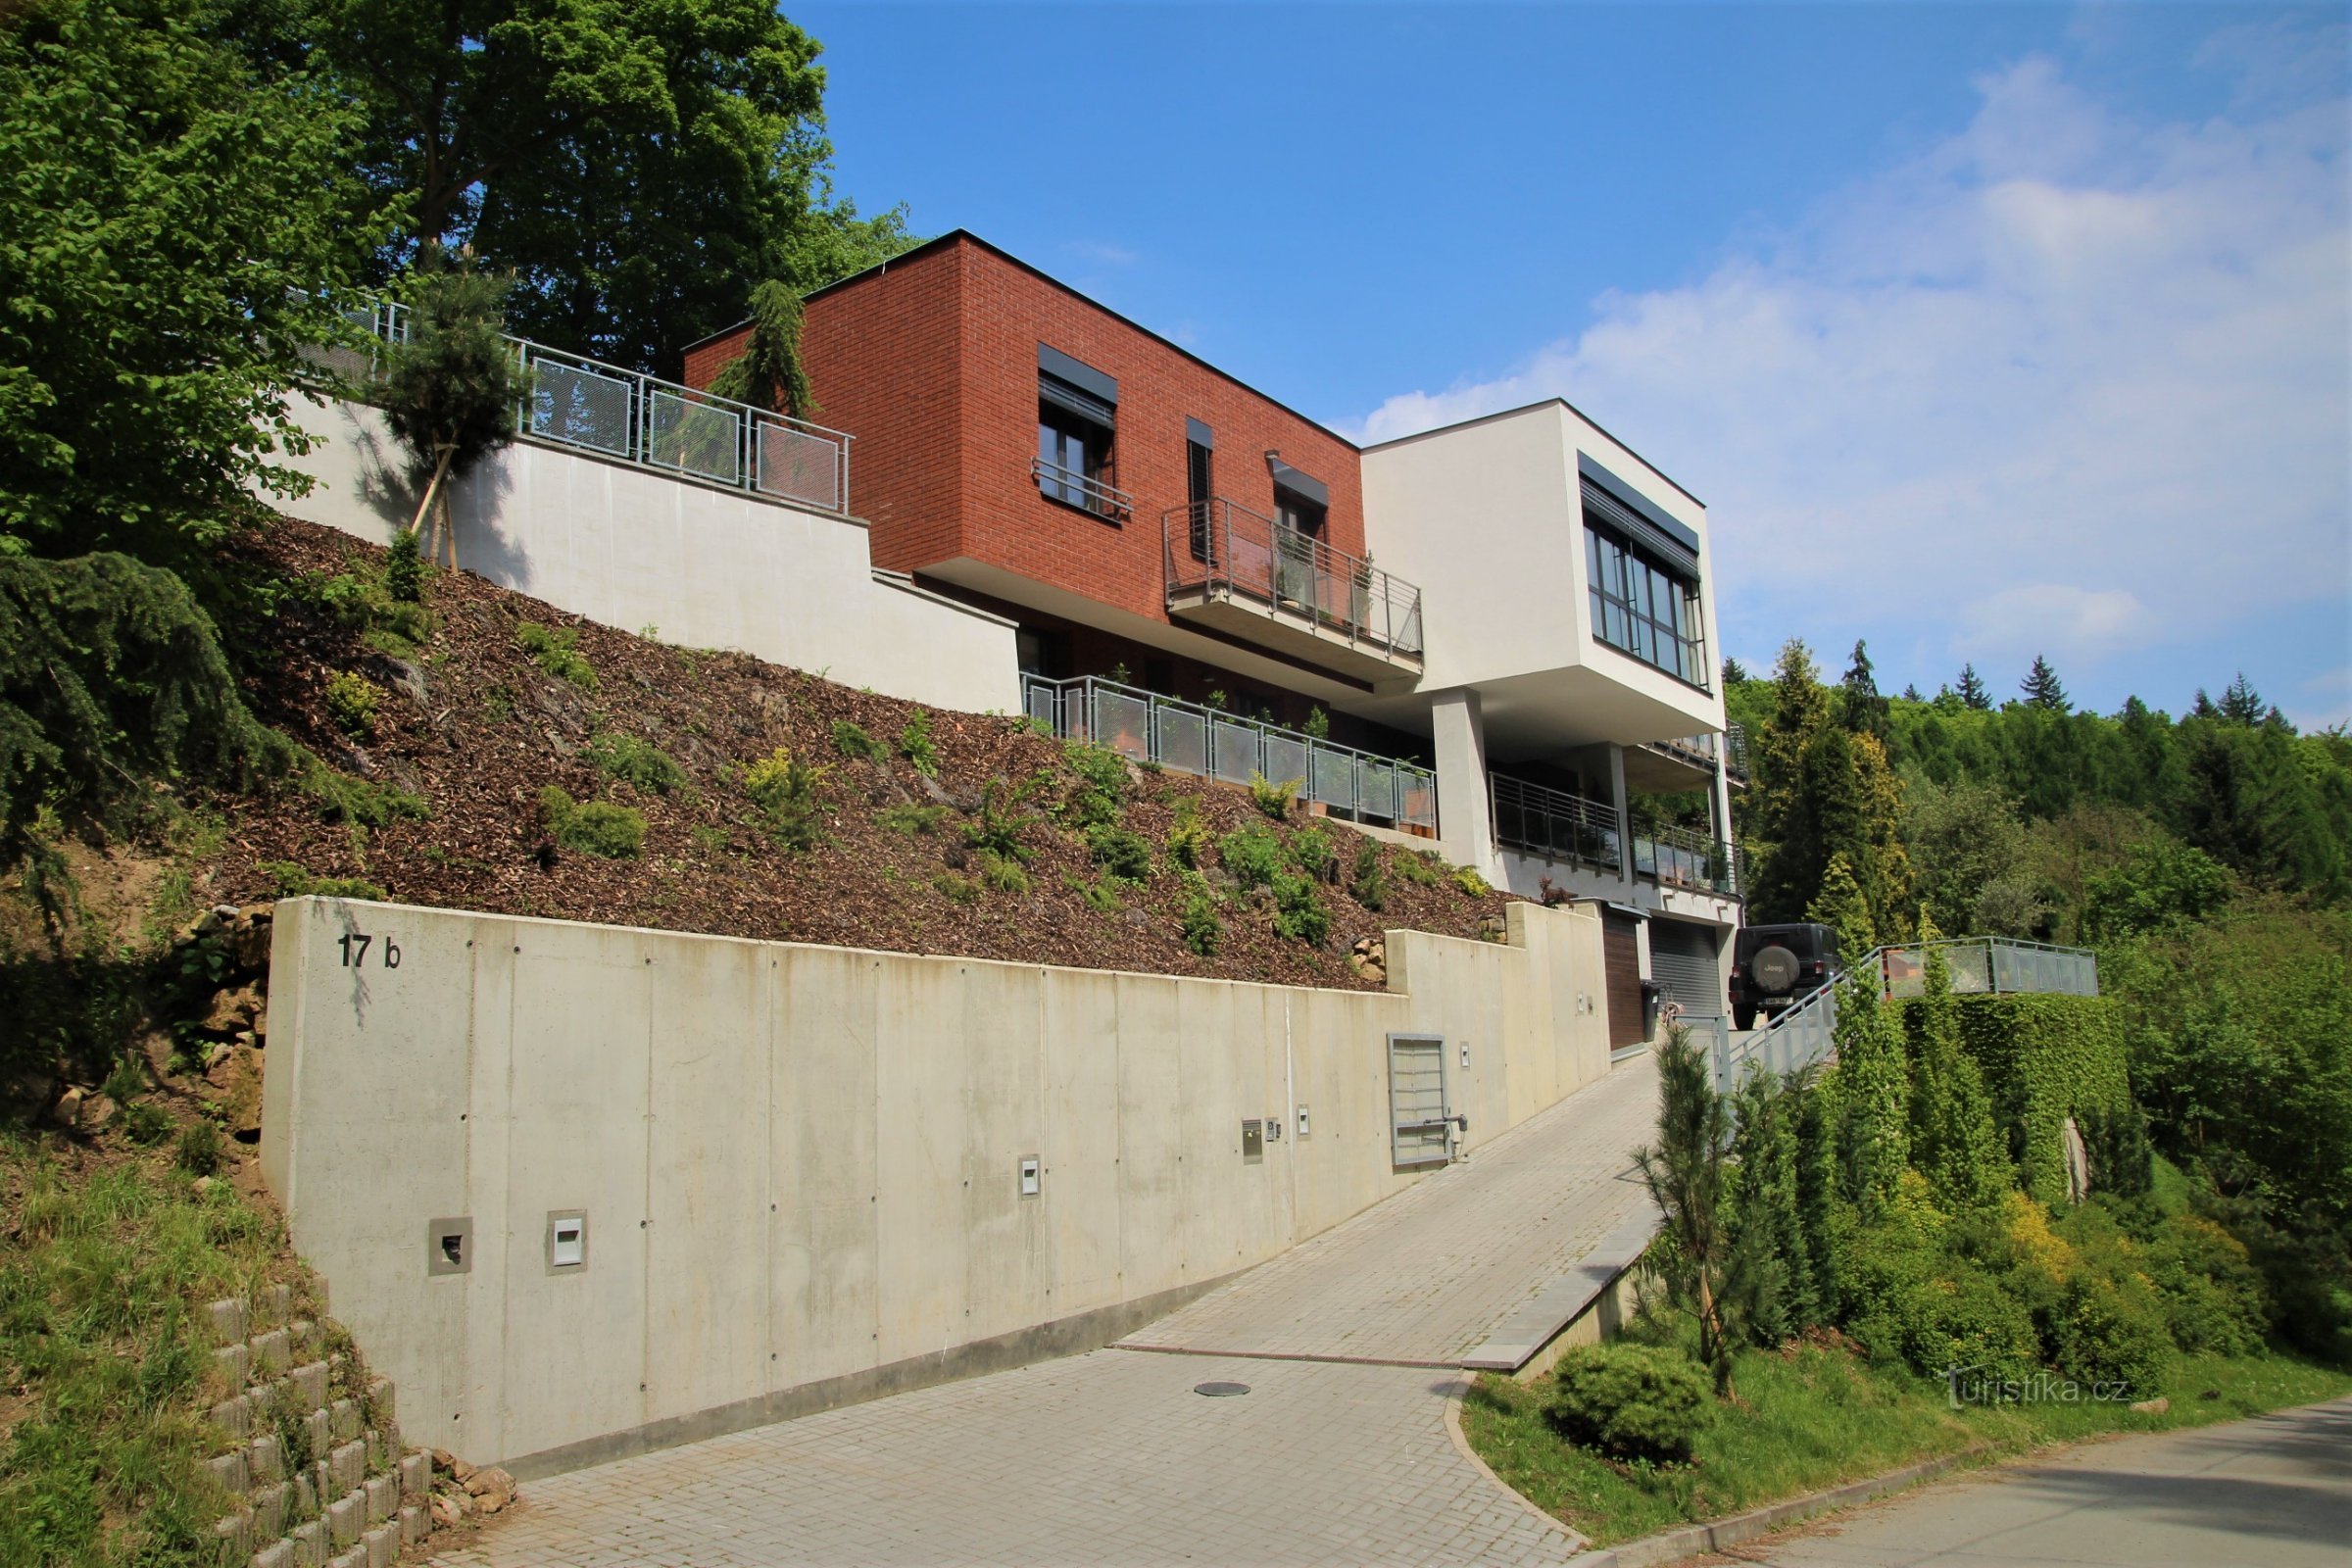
1775	969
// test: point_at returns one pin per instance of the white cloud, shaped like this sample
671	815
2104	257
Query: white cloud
2068	381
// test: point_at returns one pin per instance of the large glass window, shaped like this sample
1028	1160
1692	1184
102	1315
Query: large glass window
1073	455
1643	608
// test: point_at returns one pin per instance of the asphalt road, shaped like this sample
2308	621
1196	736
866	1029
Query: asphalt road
2272	1492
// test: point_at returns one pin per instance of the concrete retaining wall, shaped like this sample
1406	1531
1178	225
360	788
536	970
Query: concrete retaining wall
800	1165
705	566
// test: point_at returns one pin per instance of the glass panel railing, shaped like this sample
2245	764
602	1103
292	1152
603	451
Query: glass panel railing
1223	549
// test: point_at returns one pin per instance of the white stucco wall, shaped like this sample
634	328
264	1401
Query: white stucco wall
704	566
800	1164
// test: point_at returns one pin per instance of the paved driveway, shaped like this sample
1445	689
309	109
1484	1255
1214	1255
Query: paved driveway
1112	1459
2272	1492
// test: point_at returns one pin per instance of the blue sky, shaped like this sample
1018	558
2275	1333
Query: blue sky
1983	330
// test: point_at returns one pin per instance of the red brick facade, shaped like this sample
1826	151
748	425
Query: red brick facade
931	363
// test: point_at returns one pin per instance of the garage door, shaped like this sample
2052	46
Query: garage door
1682	959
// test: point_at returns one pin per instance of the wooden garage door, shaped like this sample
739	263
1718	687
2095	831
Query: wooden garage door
1621	973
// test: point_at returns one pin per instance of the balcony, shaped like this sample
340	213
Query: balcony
1075	489
1668	767
1232	570
1188	738
1677	858
1556	825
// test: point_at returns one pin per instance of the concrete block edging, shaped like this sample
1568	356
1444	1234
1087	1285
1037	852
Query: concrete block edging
1691	1540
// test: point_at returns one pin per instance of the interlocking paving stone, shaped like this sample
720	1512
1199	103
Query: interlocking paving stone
1113	1457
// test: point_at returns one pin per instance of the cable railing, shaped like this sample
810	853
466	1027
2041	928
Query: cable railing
1209	743
1702	750
571	400
1556	825
1220	549
1808	1033
1075	489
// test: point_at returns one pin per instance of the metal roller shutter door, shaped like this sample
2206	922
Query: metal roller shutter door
1682	959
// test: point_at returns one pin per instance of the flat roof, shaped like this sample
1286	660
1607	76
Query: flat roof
1530	408
965	236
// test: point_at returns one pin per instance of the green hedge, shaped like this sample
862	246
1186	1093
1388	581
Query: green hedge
2044	1058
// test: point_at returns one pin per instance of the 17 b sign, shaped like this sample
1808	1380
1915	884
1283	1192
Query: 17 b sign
356	945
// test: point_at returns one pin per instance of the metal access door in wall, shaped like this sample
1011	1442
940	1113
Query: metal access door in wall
1418	1112
1682	960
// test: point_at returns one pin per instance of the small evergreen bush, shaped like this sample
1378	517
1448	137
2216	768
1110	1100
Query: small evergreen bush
617	754
1467	879
912	819
1101	794
1629	1402
915	744
342	798
1253	855
1369	884
1002	873
1271	798
790	795
295	881
202	1149
1298	913
1424	868
1122	852
404	569
1203	929
555	650
1187	833
1311	851
855	743
959	889
996	828
351	701
592	827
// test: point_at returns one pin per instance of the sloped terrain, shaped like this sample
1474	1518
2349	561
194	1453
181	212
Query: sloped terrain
477	701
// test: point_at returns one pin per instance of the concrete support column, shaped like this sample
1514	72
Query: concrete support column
1622	801
1722	791
1465	812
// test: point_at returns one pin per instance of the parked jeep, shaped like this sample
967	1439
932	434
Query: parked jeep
1774	967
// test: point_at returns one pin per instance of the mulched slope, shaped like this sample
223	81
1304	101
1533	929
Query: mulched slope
475	726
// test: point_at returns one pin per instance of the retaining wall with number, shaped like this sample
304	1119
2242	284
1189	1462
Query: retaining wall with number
798	1172
705	565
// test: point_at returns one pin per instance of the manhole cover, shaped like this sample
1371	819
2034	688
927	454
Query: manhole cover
1220	1391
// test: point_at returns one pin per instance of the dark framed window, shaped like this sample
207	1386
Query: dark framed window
1299	514
1641	606
1077	418
1200	487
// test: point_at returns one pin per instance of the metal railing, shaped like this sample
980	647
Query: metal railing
1701	751
574	401
1189	737
1556	825
1222	549
1680	857
1808	1033
1072	488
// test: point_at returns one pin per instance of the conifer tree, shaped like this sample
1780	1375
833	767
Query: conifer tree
1953	1141
1841	906
1873	1084
2241	703
1860	705
768	374
1688	1174
1911	692
1972	689
2041	688
1782	1297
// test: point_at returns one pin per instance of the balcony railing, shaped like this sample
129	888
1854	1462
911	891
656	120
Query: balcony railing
1222	549
1188	738
1677	857
590	405
1556	825
1701	751
1993	967
1075	489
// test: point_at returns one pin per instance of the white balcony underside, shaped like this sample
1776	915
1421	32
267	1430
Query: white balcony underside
1297	633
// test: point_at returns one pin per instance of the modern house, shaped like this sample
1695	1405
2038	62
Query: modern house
1491	637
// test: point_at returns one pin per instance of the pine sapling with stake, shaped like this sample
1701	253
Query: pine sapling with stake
451	389
1688	1174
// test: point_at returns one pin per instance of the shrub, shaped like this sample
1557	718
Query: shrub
145	1122
1121	852
1467	880
201	1150
1629	1402
293	881
1369	885
404	569
1312	851
959	889
351	701
592	827
1253	855
1273	799
557	652
1187	833
1101	792
996	829
912	819
790	795
344	799
639	761
855	743
2112	1331
1297	913
1424	868
1203	929
2212	1294
915	744
1002	873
